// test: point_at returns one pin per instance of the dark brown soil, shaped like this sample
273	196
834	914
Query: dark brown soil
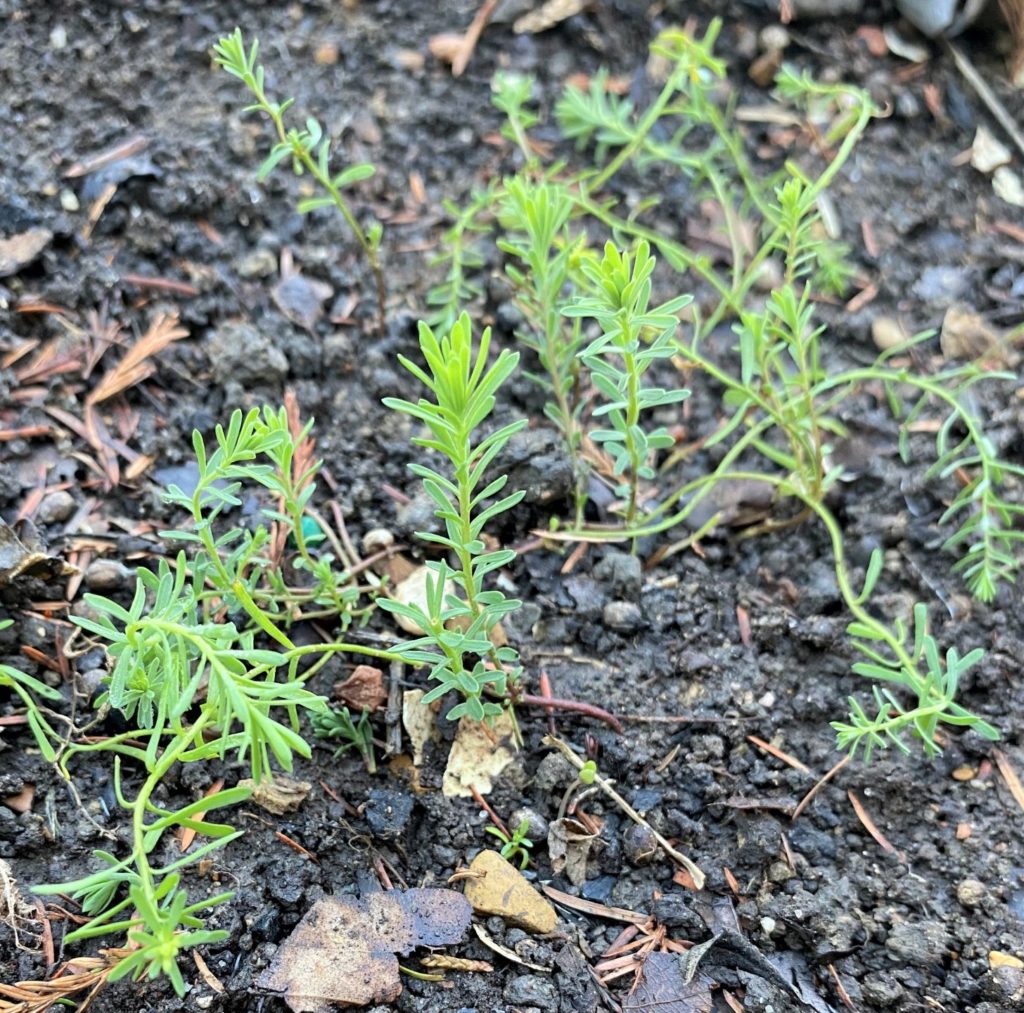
902	928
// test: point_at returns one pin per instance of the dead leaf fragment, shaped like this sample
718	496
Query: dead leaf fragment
420	722
998	959
342	953
495	887
445	46
20	250
282	795
664	988
569	844
480	752
364	688
22	554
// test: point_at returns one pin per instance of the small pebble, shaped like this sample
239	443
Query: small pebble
106	575
56	508
624	616
69	200
261	263
639	845
971	893
537	826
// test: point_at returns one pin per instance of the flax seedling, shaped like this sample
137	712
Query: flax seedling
782	408
309	150
458	631
515	845
193	681
534	217
634	335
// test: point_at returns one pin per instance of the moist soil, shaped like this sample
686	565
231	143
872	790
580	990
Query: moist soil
743	640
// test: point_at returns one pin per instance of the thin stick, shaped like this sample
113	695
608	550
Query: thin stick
692	868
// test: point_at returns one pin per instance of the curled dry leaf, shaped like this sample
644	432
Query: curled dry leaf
342	953
569	844
22	554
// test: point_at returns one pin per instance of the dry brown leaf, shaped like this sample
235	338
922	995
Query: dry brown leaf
420	722
663	987
22	554
19	251
364	688
135	366
342	953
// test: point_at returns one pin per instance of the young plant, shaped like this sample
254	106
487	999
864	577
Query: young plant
534	217
338	724
515	845
782	408
634	335
309	150
193	681
457	641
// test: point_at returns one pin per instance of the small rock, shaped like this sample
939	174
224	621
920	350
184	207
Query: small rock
639	845
56	508
69	200
773	37
966	334
971	893
887	332
538	465
1007	186
498	888
326	54
918	943
988	153
107	575
554	773
260	263
623	616
20	250
882	990
240	352
537	825
673	911
536	990
1005	986
388	813
622	572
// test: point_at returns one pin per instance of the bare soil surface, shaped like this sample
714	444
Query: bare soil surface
903	922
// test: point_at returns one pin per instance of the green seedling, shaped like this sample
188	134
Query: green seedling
338	724
457	642
515	845
781	406
634	335
309	150
193	679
